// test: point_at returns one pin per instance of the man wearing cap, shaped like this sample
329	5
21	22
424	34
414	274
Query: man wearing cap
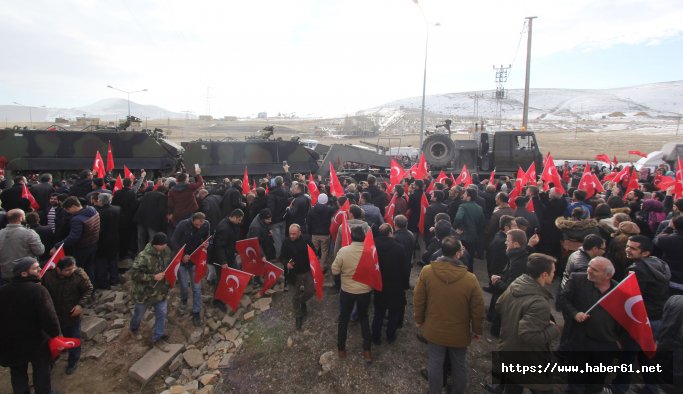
24	339
150	288
260	228
319	218
16	241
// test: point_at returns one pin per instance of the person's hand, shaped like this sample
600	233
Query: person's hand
158	277
459	231
142	173
418	325
581	317
670	191
186	258
285	167
225	266
52	251
495	279
169	217
552	323
290	265
431	229
76	311
534	240
197	170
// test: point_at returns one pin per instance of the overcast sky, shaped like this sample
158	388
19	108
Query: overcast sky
323	56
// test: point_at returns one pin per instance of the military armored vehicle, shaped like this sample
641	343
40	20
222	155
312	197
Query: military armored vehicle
63	153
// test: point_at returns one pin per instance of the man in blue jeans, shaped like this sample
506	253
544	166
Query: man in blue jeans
150	288
192	233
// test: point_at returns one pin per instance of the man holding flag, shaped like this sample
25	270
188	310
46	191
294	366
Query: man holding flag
295	257
150	288
192	233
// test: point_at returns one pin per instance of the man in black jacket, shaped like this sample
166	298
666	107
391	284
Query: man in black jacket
378	197
41	192
192	233
232	199
298	270
33	322
127	201
395	280
151	215
549	206
107	256
496	257
319	218
260	228
517	255
222	252
210	205
298	209
435	207
11	197
277	200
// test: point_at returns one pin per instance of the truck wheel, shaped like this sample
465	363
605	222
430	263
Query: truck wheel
439	150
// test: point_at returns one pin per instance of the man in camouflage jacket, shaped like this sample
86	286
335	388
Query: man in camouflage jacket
150	288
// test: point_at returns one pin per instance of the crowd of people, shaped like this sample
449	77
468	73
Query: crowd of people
523	238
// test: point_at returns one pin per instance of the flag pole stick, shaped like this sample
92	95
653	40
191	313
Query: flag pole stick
610	292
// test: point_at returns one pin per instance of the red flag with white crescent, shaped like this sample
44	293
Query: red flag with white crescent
520	181
313	190
625	304
397	173
336	188
422	169
391	208
271	273
345	231
231	287
110	158
198	257
367	270
637	153
26	194
441	177
171	272
59	343
317	272
531	174
492	177
423	211
250	254
632	182
245	183
52	262
587	182
118	185
464	177
98	165
128	174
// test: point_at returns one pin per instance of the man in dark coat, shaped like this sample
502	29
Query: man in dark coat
319	219
295	258
414	207
107	256
83	185
277	203
517	259
496	257
260	228
670	242
46	235
232	198
436	207
297	212
522	211
151	215
210	205
502	208
378	197
41	192
11	197
33	322
84	233
549	206
392	262
222	251
127	201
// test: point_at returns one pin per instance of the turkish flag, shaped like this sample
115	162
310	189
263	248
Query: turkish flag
397	173
118	185
346	206
336	222
614	160
423	211
617	177
550	174
637	152
430	188
317	272
520	181
54	259
271	273
603	157
245	183
336	188
422	169
128	174
171	272
587	182
391	208
663	182
250	254
232	285
492	177
530	207
632	182
313	190
26	194
367	270
678	186
442	176
625	304
531	174
464	177
98	165
156	185
58	344
110	158
198	257
345	231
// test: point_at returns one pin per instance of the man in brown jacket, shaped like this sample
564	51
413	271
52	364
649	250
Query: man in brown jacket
449	308
182	202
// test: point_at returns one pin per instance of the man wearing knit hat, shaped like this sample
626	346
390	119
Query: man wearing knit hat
33	322
150	288
319	219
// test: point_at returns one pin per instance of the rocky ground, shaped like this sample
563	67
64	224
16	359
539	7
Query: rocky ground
256	349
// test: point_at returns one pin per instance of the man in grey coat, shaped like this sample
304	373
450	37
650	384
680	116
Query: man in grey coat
17	241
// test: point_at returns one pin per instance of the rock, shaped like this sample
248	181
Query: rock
107	295
225	361
224	345
249	315
91	326
211	349
192	387
208	389
213	325
196	335
177	389
208	379
118	323
328	360
112	334
193	357
96	353
263	308
245	301
290	342
169	380
152	362
166	392
238	343
270	292
229	320
214	361
176	363
232	334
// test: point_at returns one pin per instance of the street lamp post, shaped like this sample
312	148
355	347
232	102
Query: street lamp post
424	75
128	93
30	115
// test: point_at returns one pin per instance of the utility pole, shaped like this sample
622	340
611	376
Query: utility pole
502	73
525	115
678	126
